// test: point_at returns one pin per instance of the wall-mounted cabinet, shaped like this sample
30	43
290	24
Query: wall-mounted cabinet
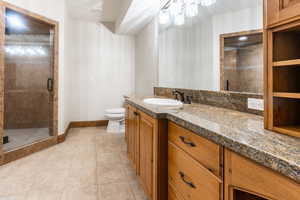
281	11
283	83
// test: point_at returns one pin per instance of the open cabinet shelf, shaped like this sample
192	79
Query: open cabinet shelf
286	115
288	130
286	63
283	85
287	95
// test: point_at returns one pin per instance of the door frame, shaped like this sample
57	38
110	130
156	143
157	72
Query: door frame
31	148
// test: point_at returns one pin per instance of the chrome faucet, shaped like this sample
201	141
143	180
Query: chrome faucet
178	93
182	97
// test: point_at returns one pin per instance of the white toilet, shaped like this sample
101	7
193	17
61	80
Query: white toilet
116	119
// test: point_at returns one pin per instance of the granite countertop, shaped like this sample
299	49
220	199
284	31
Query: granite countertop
240	132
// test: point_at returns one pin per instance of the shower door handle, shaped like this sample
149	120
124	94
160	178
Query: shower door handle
50	84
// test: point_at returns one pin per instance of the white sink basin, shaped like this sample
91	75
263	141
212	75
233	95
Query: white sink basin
169	103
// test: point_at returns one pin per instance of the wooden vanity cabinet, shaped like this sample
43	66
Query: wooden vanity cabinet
147	150
246	180
281	11
132	136
194	166
147	130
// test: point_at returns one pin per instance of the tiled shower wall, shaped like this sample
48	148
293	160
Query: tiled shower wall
243	68
26	97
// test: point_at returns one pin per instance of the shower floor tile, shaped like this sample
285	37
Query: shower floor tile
21	137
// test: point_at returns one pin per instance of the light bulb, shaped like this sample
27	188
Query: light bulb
191	8
15	21
179	19
243	38
207	2
41	51
176	7
164	17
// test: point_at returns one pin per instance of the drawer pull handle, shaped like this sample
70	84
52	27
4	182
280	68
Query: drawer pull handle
182	176
192	144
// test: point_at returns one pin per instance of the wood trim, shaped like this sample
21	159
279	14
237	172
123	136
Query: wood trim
28	150
82	124
61	138
28	13
269	76
222	44
2	47
241	33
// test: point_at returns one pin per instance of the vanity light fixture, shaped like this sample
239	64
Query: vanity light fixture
191	8
175	11
164	17
207	2
179	19
243	38
25	51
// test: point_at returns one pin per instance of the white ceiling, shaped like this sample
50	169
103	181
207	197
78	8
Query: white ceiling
130	16
139	14
95	10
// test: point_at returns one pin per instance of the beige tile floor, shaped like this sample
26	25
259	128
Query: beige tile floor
90	165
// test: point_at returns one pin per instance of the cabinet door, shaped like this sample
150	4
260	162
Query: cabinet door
173	194
131	133
147	130
246	180
282	10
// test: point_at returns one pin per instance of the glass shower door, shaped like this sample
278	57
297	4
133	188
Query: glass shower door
28	85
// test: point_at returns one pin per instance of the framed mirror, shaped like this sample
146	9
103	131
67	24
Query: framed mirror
194	45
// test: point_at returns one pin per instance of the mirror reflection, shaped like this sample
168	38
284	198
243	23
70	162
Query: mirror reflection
211	45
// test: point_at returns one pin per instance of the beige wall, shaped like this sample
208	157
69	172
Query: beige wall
146	60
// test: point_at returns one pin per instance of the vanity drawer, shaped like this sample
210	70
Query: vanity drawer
204	151
190	178
173	194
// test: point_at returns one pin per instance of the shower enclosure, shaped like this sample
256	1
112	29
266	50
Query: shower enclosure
28	78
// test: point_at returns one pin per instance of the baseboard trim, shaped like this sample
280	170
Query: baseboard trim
80	124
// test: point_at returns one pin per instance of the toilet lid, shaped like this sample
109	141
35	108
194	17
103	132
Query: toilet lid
115	116
115	111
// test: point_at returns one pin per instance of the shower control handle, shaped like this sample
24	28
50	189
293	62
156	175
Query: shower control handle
50	84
